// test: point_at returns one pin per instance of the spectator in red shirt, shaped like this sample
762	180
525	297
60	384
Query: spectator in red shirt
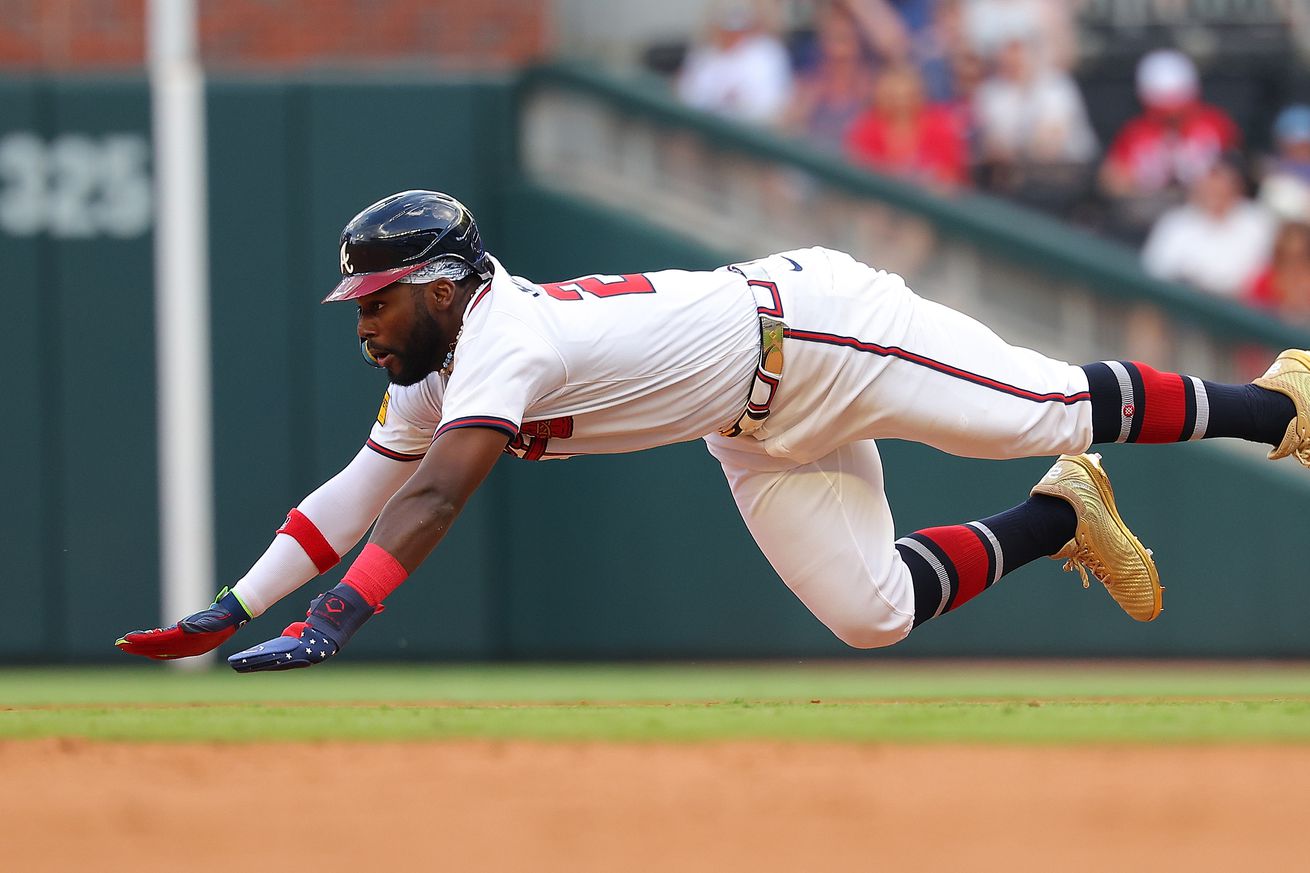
1284	286
904	136
1159	154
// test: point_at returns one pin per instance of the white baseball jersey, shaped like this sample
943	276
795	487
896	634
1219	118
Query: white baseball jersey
597	365
621	363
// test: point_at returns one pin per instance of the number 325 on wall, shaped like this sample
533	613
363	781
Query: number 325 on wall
74	186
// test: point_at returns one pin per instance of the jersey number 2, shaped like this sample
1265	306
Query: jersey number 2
600	286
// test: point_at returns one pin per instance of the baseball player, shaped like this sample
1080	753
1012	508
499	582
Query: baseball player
790	367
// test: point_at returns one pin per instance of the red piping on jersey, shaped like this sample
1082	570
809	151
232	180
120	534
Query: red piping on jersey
504	425
478	299
945	369
389	453
300	528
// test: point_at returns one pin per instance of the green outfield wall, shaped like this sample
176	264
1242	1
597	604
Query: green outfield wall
609	557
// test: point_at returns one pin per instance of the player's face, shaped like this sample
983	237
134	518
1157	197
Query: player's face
402	335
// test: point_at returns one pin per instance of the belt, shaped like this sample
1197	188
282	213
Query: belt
768	372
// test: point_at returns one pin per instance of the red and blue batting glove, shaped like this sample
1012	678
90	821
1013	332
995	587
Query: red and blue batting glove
193	635
331	621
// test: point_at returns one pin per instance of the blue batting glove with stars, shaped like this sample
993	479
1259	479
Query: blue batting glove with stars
331	621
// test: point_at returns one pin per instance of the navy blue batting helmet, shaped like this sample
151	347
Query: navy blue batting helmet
399	234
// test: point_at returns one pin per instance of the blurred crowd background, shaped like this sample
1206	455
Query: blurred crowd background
1179	127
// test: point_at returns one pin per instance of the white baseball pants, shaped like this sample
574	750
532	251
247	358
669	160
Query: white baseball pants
866	358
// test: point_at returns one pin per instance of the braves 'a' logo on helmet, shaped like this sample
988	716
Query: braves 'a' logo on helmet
346	267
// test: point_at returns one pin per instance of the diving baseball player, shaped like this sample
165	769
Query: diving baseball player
790	367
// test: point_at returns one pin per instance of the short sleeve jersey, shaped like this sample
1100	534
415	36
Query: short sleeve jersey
597	365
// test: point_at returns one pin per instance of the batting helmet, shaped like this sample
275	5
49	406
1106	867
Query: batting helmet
399	234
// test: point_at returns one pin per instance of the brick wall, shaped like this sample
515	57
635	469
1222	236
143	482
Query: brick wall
60	35
71	34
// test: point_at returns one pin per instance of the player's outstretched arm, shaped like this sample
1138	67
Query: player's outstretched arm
326	524
411	525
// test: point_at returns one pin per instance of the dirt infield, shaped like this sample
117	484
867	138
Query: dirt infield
68	805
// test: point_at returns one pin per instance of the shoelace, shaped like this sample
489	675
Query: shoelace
1082	561
1302	451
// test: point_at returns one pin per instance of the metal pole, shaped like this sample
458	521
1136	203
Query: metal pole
181	313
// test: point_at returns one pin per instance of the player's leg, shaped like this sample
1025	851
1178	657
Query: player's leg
1134	403
1130	401
827	530
1069	515
963	389
937	376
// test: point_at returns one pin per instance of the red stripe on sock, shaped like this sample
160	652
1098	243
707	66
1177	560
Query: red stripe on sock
966	552
1164	406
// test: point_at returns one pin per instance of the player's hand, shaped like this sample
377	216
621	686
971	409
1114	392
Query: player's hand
194	635
299	646
331	621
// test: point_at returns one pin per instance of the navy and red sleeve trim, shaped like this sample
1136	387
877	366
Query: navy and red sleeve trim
504	425
389	453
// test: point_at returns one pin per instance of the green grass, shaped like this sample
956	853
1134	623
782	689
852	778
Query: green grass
866	702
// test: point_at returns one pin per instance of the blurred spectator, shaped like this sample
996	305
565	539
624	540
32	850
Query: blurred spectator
941	51
1286	185
917	15
1159	154
991	25
741	70
1284	286
1219	241
905	136
883	35
883	26
839	86
1036	142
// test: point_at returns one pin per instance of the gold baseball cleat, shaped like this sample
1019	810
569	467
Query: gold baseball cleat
1290	374
1102	543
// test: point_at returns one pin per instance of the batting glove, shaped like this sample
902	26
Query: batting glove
331	621
193	635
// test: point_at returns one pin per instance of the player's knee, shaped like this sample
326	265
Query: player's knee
870	635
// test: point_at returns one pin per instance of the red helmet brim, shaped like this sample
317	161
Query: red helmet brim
353	287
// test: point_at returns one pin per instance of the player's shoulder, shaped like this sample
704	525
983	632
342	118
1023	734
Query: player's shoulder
506	321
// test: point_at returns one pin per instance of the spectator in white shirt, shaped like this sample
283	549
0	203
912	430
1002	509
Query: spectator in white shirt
741	71
1034	141
1027	113
1218	241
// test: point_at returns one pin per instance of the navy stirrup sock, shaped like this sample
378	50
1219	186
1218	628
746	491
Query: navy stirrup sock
1133	403
949	566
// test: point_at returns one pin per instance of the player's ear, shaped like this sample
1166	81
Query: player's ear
439	294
